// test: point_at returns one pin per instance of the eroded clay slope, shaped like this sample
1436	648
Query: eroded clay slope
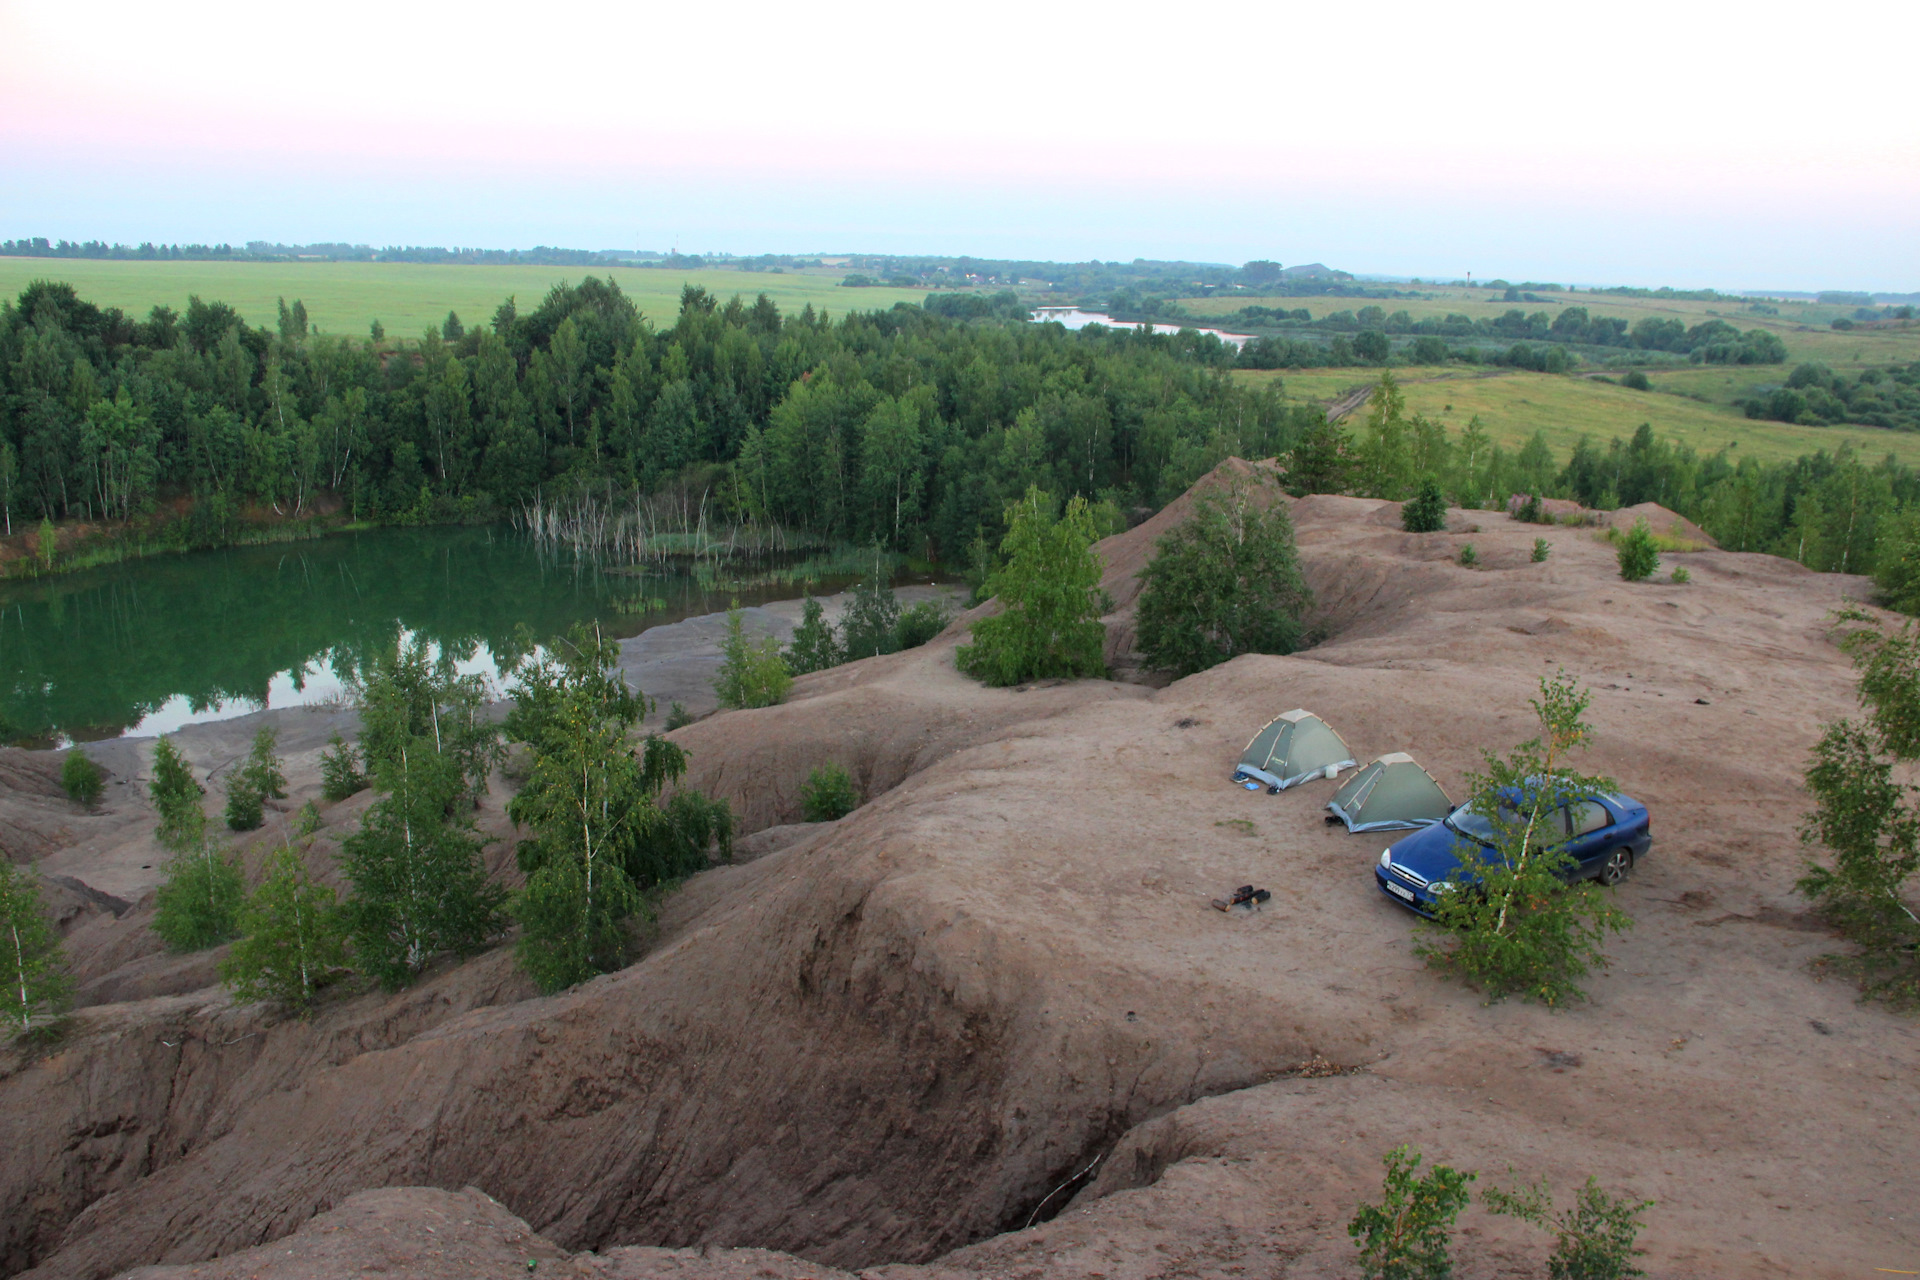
895	1040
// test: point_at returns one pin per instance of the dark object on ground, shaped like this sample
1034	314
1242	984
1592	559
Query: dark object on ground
1245	896
1603	836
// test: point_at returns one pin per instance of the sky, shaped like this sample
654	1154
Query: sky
1731	145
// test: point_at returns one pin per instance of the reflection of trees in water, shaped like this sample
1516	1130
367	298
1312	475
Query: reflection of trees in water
102	650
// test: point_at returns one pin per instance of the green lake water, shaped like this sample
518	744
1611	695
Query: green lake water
150	645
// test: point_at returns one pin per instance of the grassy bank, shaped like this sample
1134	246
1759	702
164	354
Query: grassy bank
1513	404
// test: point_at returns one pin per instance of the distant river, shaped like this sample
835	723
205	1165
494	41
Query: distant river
148	646
1075	318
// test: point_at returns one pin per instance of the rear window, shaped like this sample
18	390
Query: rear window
1587	817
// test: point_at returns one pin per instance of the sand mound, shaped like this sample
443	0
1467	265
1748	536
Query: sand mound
997	985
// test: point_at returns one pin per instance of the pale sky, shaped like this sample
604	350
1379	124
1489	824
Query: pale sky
1686	143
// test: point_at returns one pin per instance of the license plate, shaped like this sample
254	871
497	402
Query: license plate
1399	892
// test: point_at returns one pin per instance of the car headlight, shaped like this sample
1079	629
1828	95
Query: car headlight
1439	887
1386	857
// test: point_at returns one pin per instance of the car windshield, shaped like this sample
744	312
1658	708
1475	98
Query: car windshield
1476	826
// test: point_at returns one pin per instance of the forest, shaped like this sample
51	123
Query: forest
911	428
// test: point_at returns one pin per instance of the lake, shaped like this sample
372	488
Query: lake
150	645
1075	318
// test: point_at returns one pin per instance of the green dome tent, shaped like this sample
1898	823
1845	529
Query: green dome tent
1392	793
1294	748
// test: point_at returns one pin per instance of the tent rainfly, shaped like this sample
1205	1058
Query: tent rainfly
1392	793
1294	748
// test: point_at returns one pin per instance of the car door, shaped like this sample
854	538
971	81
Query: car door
1589	834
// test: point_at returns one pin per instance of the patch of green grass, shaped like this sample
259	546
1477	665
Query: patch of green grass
1513	405
345	297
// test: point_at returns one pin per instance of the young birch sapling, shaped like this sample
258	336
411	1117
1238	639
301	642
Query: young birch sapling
1513	925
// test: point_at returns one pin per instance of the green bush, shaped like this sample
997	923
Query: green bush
177	798
1864	818
921	623
199	903
752	672
828	794
340	774
1639	556
1469	558
1049	587
678	717
1594	1240
258	780
1635	380
291	940
1426	511
35	987
81	778
814	647
1406	1235
1681	576
869	626
1516	926
1223	583
1541	550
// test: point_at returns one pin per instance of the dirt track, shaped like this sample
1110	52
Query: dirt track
899	1039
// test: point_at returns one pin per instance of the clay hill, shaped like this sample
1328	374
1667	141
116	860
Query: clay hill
988	1025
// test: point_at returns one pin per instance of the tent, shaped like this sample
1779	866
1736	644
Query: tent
1292	749
1390	794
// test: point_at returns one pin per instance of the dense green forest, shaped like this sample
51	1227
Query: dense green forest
913	427
898	426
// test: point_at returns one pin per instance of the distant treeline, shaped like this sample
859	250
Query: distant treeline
263	251
900	426
906	427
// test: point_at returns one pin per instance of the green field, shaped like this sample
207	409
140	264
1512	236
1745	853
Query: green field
346	297
1513	404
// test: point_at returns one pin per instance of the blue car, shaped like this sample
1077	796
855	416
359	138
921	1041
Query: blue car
1606	834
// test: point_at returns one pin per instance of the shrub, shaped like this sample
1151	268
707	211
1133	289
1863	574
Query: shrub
246	807
340	774
291	941
1050	587
81	778
678	717
177	797
1530	512
1864	818
307	821
259	779
814	647
1469	558
1637	554
1512	924
1594	1240
1635	380
828	794
922	623
1681	576
198	905
869	627
1405	1236
1426	511
752	672
34	983
1225	582
1541	550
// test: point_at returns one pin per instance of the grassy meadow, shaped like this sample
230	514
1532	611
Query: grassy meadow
1513	404
346	297
1803	326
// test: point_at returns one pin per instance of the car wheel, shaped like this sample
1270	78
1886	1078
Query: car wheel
1615	868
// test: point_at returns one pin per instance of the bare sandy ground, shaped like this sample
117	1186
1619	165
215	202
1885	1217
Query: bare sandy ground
996	988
